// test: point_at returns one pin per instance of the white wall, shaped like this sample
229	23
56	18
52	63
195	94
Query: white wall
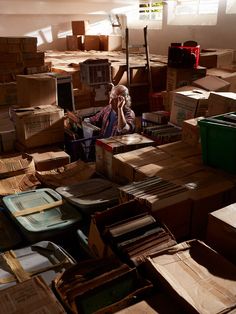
51	20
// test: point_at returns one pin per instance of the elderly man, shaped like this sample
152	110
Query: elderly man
116	118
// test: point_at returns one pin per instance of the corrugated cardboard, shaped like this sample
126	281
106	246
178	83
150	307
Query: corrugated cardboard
221	102
8	94
7	131
39	126
30	296
209	191
74	42
212	83
15	164
181	150
191	131
36	90
47	159
19	183
216	58
178	77
91	42
106	148
110	42
68	175
79	27
124	164
221	231
188	104
199	278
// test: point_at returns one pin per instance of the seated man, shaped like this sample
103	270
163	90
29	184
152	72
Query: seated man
116	118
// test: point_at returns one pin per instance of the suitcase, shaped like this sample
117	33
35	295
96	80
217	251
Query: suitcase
41	214
44	258
91	195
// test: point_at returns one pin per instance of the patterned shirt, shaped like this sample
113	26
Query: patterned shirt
101	119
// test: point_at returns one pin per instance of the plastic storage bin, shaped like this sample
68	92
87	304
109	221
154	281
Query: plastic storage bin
91	195
218	141
41	214
95	72
45	258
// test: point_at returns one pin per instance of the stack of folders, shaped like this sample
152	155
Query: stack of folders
134	238
154	192
163	134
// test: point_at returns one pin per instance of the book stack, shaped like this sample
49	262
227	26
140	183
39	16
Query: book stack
136	237
155	117
154	192
163	134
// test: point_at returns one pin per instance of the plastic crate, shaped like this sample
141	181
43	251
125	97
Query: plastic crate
218	141
81	149
95	72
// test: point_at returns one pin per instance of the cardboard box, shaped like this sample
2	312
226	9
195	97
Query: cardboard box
8	94
39	126
19	183
200	279
216	58
106	148
191	131
177	77
110	42
124	164
221	102
30	296
188	104
111	215
79	27
36	90
91	42
212	83
7	131
181	150
16	164
33	59
74	42
221	231
49	158
209	191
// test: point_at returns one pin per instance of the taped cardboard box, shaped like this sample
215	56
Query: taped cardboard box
15	164
221	231
124	164
200	279
36	90
91	42
188	104
28	297
39	126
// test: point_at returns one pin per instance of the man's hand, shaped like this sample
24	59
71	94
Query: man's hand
121	102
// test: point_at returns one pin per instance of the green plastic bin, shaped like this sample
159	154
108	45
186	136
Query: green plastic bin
218	141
